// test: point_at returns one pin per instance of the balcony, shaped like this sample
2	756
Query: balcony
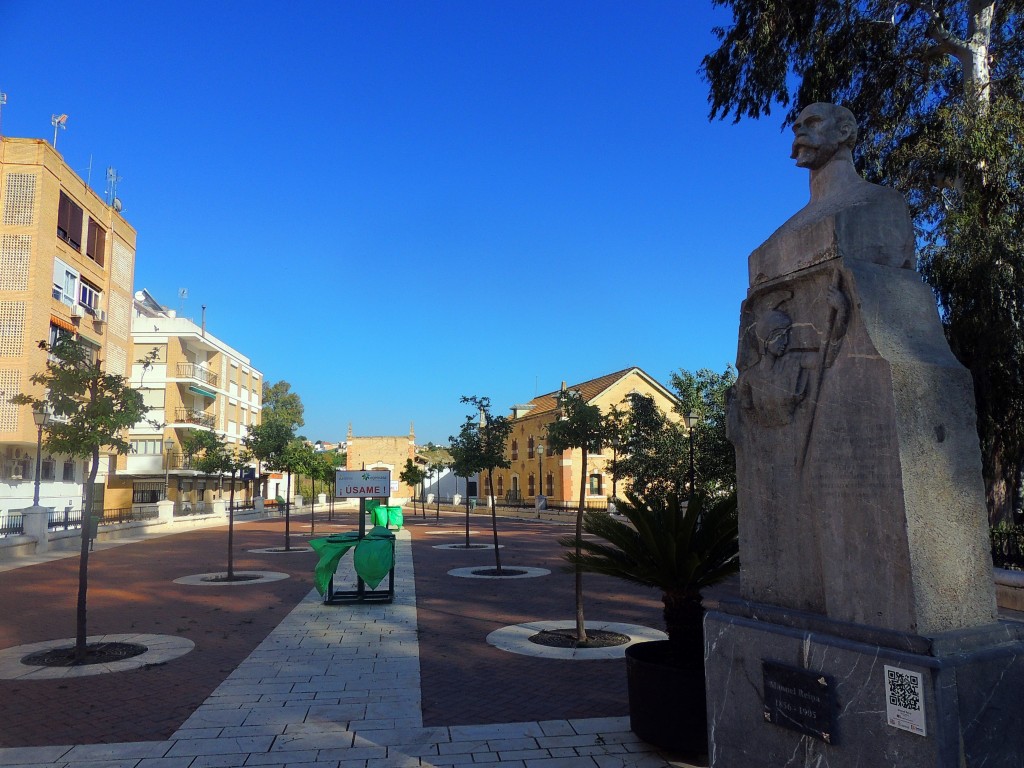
191	416
197	373
179	461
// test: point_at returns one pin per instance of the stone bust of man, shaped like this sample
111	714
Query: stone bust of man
846	215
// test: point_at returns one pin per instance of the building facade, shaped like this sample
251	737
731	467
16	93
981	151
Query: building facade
67	262
196	382
384	452
538	471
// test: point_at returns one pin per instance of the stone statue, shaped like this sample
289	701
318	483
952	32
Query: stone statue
864	562
845	375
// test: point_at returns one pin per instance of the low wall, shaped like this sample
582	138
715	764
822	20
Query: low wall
1009	589
13	547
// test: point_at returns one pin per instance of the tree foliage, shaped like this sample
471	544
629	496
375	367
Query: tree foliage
655	449
938	91
412	475
91	410
281	405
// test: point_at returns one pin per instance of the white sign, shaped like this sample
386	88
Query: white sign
362	483
904	700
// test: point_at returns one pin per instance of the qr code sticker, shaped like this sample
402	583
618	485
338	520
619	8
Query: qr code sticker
904	689
904	704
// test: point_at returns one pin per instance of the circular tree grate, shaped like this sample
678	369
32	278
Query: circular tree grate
566	638
95	653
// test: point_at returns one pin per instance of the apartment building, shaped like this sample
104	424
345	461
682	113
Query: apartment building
196	382
67	261
537	470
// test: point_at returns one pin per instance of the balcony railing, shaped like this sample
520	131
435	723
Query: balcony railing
179	461
197	372
191	416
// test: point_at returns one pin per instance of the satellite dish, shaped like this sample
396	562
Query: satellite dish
117	204
140	296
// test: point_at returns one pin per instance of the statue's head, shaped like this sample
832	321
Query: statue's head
820	131
772	330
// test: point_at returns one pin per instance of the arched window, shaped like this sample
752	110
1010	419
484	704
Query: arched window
551	484
501	485
515	450
529	448
530	485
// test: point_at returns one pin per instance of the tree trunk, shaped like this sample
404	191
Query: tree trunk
83	560
494	522
581	624
231	528
288	513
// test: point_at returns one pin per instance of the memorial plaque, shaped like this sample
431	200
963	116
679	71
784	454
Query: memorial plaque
799	699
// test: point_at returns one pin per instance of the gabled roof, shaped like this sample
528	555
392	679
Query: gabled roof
592	389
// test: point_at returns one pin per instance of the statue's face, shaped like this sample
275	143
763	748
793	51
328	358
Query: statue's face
815	137
777	342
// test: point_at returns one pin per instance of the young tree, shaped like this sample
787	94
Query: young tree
481	446
207	451
216	457
92	410
938	93
463	466
412	476
653	450
579	425
294	458
438	466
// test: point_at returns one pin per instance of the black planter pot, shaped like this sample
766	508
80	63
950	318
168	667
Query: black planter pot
667	700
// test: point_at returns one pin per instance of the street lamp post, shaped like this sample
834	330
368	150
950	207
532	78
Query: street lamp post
40	415
168	444
691	418
539	448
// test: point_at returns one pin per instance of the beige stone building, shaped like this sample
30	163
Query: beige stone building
196	382
67	261
384	452
557	477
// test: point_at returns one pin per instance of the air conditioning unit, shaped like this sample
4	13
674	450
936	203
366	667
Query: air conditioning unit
101	316
77	311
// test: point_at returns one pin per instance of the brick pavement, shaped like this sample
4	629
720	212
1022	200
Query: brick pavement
229	623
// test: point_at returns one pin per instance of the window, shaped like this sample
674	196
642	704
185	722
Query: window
65	282
146	447
48	469
69	471
550	482
147	493
501	485
595	485
69	222
89	296
57	333
529	451
91	348
96	242
515	450
530	485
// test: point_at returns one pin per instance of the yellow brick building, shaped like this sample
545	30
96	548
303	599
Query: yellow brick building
196	382
557	477
383	452
67	261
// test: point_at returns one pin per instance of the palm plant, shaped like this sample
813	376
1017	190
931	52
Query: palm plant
664	544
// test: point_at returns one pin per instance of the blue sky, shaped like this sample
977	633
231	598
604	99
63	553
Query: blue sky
390	204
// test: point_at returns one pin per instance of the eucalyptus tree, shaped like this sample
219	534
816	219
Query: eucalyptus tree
938	90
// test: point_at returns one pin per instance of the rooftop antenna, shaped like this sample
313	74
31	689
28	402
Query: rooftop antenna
58	121
3	100
112	179
182	295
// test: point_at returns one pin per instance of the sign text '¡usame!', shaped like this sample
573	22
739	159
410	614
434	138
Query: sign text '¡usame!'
372	490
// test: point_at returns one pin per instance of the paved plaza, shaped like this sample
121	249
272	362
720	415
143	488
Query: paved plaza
277	678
